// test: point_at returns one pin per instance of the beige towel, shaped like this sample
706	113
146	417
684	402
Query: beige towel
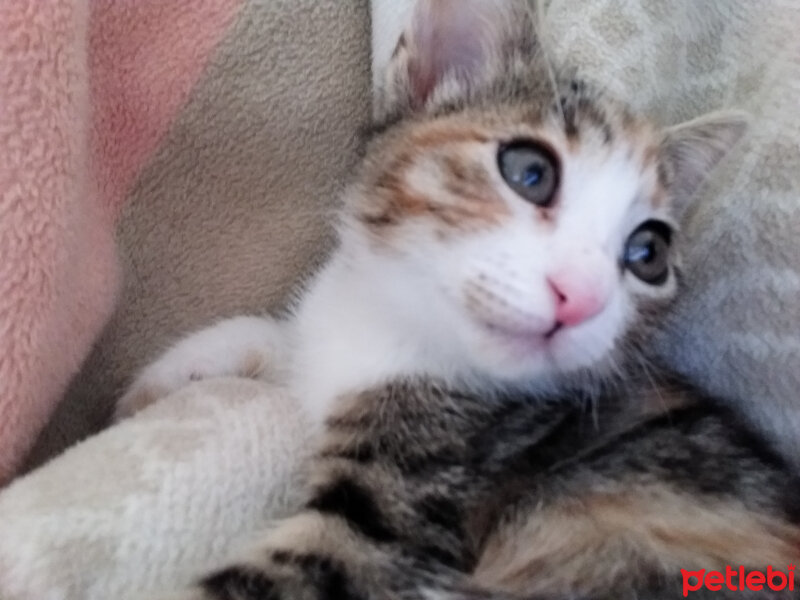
154	501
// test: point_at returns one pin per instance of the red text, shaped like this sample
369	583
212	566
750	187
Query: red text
738	580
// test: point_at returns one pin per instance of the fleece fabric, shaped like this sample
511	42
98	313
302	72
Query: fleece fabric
86	95
232	207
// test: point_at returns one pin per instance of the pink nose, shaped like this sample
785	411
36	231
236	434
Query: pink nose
578	297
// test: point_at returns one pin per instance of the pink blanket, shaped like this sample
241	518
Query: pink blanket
88	88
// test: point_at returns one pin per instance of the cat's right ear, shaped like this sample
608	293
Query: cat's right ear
449	43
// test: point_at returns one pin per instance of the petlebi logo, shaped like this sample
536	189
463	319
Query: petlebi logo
738	580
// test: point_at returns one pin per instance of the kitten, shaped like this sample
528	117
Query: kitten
510	238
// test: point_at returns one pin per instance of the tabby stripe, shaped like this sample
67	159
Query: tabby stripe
334	584
318	572
240	583
329	578
356	505
441	512
434	461
443	556
548	450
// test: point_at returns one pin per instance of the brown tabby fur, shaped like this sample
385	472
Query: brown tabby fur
424	492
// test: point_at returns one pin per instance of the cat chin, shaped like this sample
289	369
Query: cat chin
533	358
540	378
538	371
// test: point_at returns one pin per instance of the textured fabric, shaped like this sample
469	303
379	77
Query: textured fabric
233	207
154	501
48	219
85	95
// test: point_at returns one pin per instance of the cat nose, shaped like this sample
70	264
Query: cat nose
578	296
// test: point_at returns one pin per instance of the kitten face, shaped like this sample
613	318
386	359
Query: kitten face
511	233
516	228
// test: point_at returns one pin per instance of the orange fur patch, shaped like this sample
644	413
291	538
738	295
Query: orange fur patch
460	196
589	544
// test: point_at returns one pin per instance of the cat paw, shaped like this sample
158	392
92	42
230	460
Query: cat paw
250	347
241	583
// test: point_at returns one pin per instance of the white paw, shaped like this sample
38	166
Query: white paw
251	347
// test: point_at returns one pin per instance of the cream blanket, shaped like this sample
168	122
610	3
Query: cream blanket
150	503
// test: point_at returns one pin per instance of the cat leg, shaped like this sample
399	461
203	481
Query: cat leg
252	347
308	557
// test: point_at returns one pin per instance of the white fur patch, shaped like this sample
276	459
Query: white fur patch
246	346
475	309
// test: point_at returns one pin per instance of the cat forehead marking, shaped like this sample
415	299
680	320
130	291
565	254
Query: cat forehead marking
446	180
440	170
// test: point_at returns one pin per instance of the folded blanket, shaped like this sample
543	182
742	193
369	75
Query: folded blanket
86	93
736	324
155	500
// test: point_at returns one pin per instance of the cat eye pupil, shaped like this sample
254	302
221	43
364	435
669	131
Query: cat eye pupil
530	170
647	253
641	253
533	175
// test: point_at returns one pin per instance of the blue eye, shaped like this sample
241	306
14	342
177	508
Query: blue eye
530	170
533	175
637	254
646	253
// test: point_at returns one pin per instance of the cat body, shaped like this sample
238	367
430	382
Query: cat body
507	245
420	491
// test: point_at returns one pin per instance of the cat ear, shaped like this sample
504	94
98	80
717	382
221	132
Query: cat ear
690	152
454	41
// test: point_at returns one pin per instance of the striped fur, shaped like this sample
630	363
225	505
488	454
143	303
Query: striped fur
424	492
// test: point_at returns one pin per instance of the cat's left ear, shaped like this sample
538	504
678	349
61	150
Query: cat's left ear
452	42
690	152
